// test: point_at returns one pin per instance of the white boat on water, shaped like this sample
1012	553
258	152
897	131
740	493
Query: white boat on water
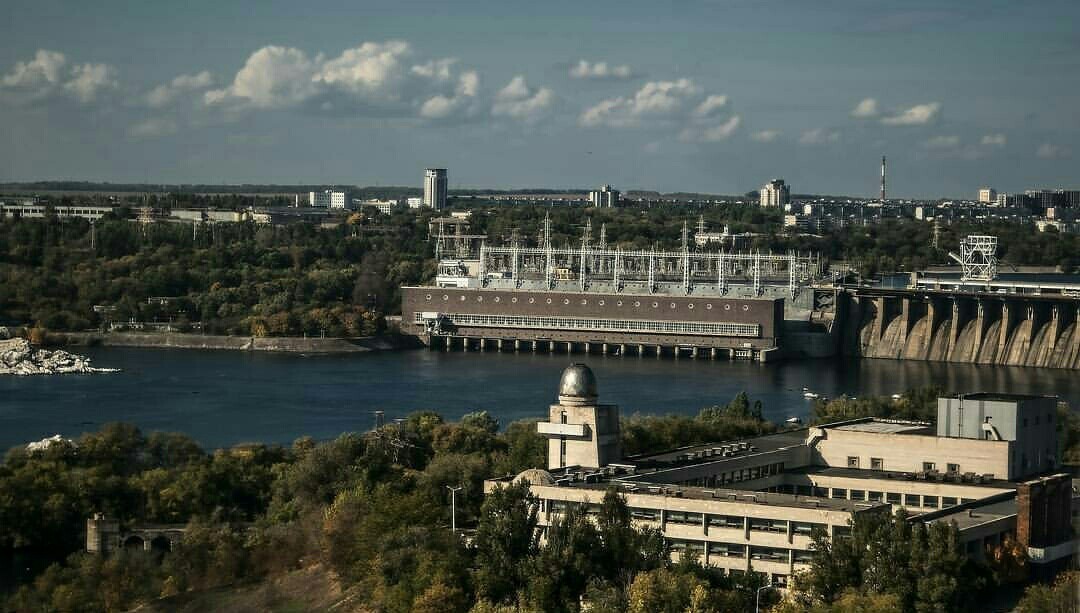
810	395
793	421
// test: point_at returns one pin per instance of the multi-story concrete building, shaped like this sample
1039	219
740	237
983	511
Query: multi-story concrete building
329	199
752	504
988	195
435	188
384	206
775	193
33	208
415	202
605	197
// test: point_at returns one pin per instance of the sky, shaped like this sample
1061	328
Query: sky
712	96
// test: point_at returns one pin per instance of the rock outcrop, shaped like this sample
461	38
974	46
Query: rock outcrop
19	357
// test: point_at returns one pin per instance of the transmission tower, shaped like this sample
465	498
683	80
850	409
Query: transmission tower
978	258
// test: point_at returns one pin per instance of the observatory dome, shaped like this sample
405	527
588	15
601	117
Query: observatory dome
578	383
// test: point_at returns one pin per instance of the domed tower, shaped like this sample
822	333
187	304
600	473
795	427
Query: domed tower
580	431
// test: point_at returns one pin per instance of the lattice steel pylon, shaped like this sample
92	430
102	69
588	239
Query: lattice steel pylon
978	258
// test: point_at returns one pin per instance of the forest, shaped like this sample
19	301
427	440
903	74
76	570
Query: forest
260	280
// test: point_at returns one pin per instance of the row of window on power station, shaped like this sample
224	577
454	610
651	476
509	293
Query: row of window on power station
739	550
879	464
699	519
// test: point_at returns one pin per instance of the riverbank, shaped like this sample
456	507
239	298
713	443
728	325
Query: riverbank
390	342
18	357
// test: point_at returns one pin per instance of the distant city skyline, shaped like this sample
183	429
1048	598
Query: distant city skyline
713	97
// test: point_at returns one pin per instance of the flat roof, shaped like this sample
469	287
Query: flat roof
1002	397
723	495
973	516
759	444
886	426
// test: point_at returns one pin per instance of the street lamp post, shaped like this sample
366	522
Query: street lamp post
453	507
757	596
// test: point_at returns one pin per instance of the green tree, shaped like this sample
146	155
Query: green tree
505	540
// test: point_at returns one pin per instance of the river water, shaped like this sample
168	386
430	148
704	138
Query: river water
226	397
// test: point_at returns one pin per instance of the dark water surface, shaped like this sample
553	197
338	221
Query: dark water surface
226	397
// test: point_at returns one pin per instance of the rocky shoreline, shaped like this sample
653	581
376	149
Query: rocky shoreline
19	357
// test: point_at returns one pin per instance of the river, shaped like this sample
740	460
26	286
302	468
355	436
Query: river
226	397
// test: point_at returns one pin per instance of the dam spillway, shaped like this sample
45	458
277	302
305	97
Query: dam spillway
973	328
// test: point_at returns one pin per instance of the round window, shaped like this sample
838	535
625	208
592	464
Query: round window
445	297
690	306
619	303
429	296
746	307
601	303
727	307
708	306
637	303
566	301
514	299
532	300
479	298
673	305
655	304
549	300
463	298
496	299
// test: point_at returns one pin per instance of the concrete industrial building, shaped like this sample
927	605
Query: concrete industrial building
435	188
752	504
775	193
35	209
605	197
329	199
988	195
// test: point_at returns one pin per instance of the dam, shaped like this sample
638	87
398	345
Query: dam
975	327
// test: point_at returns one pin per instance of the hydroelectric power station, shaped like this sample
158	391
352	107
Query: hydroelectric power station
737	304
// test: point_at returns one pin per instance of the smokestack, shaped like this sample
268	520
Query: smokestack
883	179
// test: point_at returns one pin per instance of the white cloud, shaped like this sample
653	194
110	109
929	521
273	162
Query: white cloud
153	128
865	109
272	77
918	115
713	134
819	136
1050	151
41	73
165	93
374	78
942	142
710	105
517	101
994	140
442	106
599	71
765	136
48	75
655	99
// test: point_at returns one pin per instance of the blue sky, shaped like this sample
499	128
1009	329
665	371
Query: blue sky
715	96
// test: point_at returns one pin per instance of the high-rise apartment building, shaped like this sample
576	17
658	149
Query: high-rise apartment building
605	197
988	195
435	188
775	193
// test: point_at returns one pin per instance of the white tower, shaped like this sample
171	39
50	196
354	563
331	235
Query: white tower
435	188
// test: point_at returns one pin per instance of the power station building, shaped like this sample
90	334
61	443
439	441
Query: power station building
752	504
595	298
